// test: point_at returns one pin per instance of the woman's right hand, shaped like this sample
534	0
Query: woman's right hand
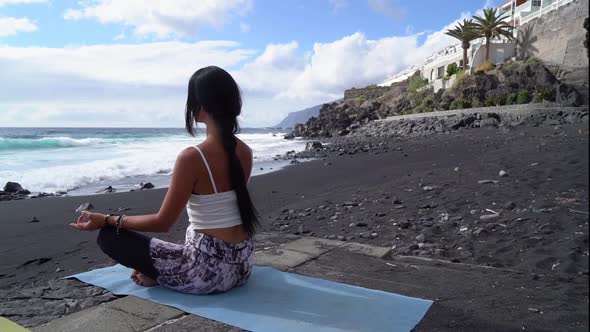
89	221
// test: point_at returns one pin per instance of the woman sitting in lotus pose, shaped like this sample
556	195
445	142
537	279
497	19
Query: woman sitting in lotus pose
210	181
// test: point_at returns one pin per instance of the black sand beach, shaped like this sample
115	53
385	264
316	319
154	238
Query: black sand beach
420	196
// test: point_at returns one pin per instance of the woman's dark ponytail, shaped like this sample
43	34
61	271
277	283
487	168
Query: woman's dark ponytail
214	89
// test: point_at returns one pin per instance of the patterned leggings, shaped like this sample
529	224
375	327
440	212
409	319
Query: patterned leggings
203	265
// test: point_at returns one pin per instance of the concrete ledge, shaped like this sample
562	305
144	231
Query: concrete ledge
366	249
144	309
304	249
312	246
190	323
126	314
281	259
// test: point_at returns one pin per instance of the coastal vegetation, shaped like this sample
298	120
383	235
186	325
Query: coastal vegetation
510	83
452	69
465	32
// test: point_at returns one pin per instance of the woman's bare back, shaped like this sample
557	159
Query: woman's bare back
217	159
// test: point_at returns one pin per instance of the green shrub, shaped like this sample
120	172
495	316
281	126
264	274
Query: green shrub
544	95
532	59
475	102
452	69
496	101
458	104
523	97
460	74
416	83
512	65
485	67
511	99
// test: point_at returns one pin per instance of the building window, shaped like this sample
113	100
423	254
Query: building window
440	72
461	64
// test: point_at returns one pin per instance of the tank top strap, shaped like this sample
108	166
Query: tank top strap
208	168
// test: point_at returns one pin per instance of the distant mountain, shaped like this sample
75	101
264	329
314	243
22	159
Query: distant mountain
302	116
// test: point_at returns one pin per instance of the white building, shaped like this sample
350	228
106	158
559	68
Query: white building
435	66
524	11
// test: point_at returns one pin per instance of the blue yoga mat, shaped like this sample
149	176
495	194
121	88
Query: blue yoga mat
279	301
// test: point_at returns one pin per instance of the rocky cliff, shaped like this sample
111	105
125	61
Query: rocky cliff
517	82
294	118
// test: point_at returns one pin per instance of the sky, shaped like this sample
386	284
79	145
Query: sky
126	63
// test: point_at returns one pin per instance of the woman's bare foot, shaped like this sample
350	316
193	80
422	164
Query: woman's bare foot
142	279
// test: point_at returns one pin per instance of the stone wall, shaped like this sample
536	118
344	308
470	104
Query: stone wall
491	117
371	92
557	38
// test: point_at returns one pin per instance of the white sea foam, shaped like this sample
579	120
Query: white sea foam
80	162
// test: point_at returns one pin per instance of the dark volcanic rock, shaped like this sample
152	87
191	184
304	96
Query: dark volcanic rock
511	83
12	187
475	86
108	189
147	185
567	95
313	145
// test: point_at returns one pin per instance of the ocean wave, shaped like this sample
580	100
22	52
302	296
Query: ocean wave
93	161
45	143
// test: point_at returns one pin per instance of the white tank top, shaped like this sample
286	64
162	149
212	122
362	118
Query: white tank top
217	210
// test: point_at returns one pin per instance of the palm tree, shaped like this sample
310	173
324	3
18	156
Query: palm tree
465	32
492	25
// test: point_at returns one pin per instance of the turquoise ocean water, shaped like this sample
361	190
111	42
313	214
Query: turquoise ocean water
85	160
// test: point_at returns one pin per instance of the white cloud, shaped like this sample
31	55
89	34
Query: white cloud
355	61
338	5
16	2
146	83
162	18
11	25
272	71
163	63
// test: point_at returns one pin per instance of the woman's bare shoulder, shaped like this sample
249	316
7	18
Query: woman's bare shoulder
189	155
244	152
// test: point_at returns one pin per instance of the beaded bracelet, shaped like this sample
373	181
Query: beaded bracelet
120	222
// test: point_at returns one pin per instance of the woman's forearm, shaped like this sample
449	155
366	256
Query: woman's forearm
143	223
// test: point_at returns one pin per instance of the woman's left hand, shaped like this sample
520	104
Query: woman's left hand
89	221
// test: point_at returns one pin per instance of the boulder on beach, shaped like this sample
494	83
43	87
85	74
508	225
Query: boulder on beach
313	145
12	187
108	189
147	185
23	192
